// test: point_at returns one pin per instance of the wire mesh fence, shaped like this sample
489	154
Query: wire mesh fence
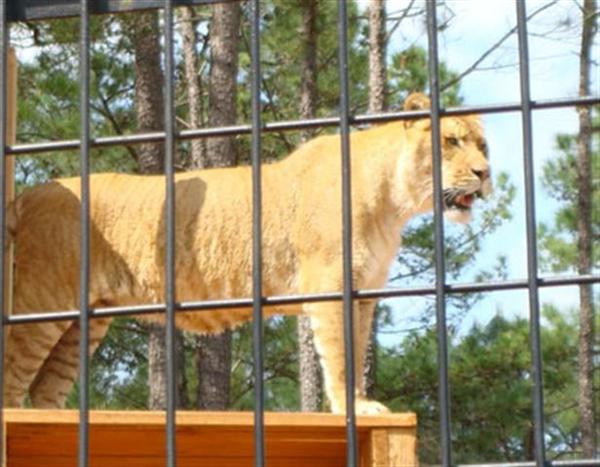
23	10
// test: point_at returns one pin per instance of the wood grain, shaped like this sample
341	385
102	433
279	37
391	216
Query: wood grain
49	438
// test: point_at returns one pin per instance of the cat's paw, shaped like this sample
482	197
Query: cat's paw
369	407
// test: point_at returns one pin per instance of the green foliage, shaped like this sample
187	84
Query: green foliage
558	241
490	384
281	366
281	50
407	72
559	252
463	243
119	376
49	98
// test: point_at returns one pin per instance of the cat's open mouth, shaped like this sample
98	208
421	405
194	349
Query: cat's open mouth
460	200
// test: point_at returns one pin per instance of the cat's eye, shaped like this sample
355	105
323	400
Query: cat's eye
452	141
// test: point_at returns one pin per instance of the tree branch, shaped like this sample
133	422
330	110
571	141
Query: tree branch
107	113
487	53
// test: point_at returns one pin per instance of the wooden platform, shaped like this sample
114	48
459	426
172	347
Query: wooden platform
210	439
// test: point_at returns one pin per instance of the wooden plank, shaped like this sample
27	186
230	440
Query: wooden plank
395	447
133	438
190	441
11	137
376	453
402	445
200	418
3	451
71	461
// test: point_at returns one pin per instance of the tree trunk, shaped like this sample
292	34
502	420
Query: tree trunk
584	220
311	390
213	357
311	387
213	362
193	83
308	92
377	62
149	105
157	395
370	367
222	102
377	104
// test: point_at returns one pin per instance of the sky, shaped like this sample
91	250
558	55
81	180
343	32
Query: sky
554	41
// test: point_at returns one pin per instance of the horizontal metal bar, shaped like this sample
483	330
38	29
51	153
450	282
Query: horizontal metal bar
564	463
552	281
294	125
280	300
32	10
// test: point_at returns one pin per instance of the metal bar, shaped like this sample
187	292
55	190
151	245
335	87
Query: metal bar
84	249
347	291
279	300
550	463
532	268
3	140
170	286
31	10
171	306
440	267
159	136
257	315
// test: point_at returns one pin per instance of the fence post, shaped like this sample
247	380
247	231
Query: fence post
9	193
11	138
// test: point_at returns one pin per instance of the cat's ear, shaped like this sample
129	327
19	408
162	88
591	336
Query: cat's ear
417	101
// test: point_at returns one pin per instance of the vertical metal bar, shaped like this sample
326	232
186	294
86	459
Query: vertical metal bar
257	317
84	114
351	437
3	142
532	268
440	268
170	238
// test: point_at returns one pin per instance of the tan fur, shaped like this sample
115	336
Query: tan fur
391	183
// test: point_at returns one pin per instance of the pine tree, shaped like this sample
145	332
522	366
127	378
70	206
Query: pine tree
584	236
214	352
311	390
490	376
